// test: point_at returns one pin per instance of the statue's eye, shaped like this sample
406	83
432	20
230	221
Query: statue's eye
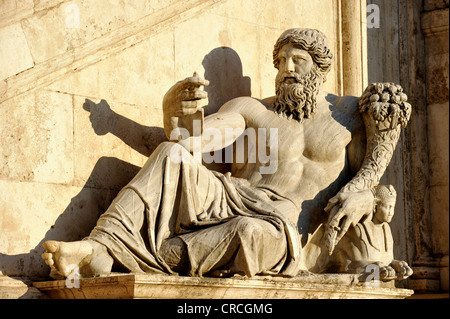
298	59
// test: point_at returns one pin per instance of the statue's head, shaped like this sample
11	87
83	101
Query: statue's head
310	40
385	197
303	60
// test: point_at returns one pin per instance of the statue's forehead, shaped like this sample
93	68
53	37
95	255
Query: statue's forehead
390	200
291	48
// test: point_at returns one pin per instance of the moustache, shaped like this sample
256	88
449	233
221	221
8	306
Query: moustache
290	78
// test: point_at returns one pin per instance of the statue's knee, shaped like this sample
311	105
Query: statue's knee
249	227
174	253
174	151
166	147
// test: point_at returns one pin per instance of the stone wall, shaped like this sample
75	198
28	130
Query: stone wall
81	86
435	26
411	47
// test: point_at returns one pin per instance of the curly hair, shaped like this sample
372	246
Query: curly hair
311	40
384	193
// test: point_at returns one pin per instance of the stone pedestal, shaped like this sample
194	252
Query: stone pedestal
137	286
18	288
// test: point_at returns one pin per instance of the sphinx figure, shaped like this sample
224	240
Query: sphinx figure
367	244
300	159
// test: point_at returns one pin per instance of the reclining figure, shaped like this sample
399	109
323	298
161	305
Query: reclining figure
326	155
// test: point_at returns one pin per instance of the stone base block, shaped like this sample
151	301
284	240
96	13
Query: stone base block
137	286
18	288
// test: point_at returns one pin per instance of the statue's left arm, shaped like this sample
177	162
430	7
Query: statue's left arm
385	111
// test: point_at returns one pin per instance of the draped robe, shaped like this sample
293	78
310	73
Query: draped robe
224	223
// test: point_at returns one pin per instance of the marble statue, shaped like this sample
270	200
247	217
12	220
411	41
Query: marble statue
367	243
326	156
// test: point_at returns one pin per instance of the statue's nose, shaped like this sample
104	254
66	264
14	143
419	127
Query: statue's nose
290	67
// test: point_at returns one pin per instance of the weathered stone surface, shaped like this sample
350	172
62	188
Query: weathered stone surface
272	14
137	286
71	24
131	76
430	5
36	212
16	288
121	137
37	134
240	63
15	55
435	25
438	117
11	11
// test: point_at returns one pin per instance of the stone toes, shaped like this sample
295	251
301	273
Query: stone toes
384	273
392	273
406	272
387	273
51	246
48	258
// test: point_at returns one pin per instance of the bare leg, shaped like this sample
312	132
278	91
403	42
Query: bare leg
91	258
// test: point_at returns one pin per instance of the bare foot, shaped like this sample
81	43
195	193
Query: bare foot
62	257
402	269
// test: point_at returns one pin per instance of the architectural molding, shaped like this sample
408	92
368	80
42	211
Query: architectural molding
435	22
47	72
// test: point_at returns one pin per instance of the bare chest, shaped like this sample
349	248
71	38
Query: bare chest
326	137
321	139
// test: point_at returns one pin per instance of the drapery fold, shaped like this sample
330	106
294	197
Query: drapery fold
174	196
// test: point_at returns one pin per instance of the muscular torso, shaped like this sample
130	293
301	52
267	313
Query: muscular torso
312	157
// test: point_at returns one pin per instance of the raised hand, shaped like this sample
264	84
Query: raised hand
183	98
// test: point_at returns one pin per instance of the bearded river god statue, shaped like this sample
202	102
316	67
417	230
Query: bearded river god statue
326	157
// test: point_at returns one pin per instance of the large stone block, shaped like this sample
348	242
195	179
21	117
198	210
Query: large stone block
271	14
12	11
53	31
140	74
37	133
15	55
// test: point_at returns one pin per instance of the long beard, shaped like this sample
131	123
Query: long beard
298	100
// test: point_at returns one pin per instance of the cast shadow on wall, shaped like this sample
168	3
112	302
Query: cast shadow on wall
223	68
106	179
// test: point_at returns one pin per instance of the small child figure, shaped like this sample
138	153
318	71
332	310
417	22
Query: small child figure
368	242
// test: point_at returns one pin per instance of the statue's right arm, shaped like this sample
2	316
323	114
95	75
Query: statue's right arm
181	102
